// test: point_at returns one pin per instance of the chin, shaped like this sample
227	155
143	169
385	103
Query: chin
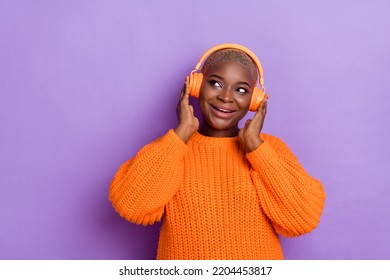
220	124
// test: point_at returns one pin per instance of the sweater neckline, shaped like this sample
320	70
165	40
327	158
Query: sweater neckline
214	141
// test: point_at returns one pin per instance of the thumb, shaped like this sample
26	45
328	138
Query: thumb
247	123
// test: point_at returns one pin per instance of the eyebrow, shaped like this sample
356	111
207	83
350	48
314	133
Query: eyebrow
221	78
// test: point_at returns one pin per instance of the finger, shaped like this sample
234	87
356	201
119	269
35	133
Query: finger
185	99
185	92
182	91
260	113
191	109
187	89
258	119
187	82
265	103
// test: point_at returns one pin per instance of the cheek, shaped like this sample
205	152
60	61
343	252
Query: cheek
202	101
204	94
244	101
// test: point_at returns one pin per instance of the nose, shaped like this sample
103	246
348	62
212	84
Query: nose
226	95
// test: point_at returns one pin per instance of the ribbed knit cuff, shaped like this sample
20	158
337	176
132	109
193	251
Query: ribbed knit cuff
262	157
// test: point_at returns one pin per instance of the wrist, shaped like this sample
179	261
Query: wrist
253	144
183	132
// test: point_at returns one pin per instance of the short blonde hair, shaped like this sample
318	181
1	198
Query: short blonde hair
235	55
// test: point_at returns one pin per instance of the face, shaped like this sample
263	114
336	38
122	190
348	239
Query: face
224	98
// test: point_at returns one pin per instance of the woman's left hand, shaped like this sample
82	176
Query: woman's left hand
249	135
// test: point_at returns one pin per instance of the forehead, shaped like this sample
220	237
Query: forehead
231	70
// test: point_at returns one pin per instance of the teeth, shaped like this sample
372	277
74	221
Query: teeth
223	110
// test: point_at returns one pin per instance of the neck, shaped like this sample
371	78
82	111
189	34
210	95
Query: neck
207	130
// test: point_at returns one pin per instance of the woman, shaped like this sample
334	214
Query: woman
222	192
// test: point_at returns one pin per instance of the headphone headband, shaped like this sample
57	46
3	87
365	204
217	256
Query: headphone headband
238	47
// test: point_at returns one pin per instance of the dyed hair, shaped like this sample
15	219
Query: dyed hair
234	55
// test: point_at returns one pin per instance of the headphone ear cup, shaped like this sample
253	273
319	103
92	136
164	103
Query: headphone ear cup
257	98
194	84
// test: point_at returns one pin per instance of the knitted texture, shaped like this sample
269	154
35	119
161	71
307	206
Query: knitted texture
218	202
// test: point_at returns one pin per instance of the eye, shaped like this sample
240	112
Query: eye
242	90
215	83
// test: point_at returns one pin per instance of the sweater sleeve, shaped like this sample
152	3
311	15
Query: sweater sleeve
143	185
290	197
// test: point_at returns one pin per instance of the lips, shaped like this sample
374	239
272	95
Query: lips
223	109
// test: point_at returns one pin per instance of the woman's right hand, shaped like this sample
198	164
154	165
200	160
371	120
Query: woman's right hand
188	123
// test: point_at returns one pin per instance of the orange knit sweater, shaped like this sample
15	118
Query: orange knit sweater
218	202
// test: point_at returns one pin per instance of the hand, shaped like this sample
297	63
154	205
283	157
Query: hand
188	123
249	135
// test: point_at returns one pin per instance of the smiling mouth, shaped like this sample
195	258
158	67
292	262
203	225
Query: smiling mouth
226	111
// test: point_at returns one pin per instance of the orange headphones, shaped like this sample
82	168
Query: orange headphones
195	79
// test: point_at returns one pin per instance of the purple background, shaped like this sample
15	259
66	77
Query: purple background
85	84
